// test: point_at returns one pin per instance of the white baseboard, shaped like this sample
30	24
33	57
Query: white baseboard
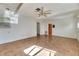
14	39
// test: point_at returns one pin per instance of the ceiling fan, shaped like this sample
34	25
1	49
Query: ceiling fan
42	12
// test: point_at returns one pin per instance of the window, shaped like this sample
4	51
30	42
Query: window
10	17
77	25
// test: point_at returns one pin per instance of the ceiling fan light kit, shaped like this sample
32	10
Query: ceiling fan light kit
38	9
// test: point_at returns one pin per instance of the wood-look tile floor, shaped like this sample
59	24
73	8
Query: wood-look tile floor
62	46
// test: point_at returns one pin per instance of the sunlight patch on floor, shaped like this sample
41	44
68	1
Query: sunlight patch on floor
39	51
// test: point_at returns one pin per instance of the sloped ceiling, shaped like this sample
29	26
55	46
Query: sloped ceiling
11	6
28	9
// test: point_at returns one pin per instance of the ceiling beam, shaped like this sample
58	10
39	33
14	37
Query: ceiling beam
18	7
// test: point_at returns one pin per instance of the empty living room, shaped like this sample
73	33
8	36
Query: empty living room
39	29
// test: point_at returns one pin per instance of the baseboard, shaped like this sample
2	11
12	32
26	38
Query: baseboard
33	37
17	39
64	37
78	40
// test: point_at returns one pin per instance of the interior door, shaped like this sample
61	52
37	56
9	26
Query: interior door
49	29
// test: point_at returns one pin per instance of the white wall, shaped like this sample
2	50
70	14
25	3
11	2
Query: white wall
77	30
64	27
25	29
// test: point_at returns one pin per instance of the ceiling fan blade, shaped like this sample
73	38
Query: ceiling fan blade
45	15
18	7
48	10
39	15
42	10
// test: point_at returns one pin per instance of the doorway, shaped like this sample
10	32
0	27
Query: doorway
38	29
